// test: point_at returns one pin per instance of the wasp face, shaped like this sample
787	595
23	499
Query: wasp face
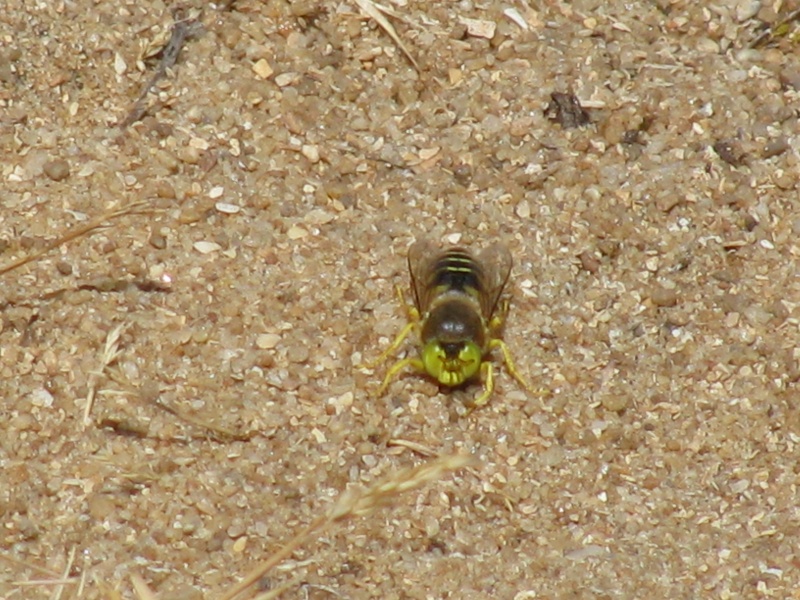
451	364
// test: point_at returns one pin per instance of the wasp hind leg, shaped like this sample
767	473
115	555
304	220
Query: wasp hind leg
512	369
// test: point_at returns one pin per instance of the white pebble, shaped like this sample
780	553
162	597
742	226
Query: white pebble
206	247
228	209
296	233
513	14
42	397
119	64
267	341
480	27
310	152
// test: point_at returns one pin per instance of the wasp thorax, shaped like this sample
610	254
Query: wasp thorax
453	323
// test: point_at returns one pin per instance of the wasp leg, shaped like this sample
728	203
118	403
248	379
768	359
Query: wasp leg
398	341
397	368
413	313
487	375
413	317
512	369
496	323
495	343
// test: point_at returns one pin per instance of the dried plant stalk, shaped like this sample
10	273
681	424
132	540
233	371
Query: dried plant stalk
141	588
359	503
373	10
110	354
72	234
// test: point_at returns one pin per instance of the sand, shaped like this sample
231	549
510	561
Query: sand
180	375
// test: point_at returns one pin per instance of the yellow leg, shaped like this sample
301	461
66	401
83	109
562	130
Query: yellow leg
413	317
512	369
499	316
396	368
495	343
413	313
398	341
487	375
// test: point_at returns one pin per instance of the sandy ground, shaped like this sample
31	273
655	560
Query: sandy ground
180	388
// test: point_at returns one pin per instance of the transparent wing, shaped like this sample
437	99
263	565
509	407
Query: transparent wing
496	263
422	257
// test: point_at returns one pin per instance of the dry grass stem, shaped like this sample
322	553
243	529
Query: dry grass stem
44	582
65	576
779	29
141	588
72	234
420	449
110	354
59	580
375	11
271	594
29	565
359	503
220	434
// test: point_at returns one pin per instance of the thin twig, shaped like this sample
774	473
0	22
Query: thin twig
181	30
766	36
413	446
72	234
375	11
65	575
141	588
358	503
221	434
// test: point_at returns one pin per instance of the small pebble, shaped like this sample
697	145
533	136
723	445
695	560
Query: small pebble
589	262
296	233
206	247
775	147
158	241
64	267
262	69
480	27
662	296
310	152
42	398
285	79
226	208
57	169
615	402
239	544
267	341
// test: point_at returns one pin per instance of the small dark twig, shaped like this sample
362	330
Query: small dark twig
181	31
766	36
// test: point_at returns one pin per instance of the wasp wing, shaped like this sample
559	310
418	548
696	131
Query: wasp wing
496	262
422	257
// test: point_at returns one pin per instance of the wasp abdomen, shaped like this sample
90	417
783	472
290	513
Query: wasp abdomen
457	270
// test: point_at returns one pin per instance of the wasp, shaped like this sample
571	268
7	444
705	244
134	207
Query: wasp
457	316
